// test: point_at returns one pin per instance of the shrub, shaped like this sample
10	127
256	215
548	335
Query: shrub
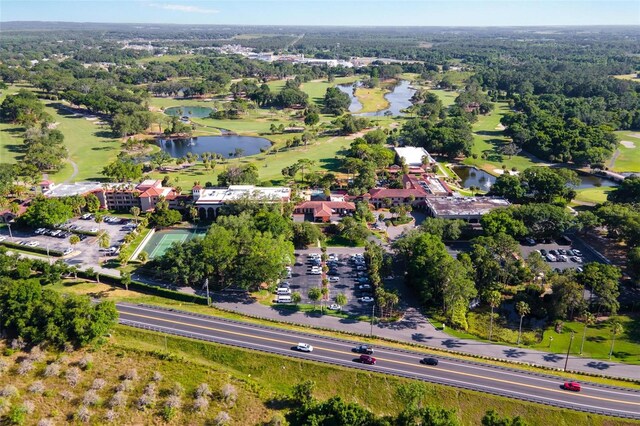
8	391
86	362
203	390
37	387
229	394
25	367
90	398
223	418
67	395
83	414
110	416
36	354
17	415
201	404
52	370
98	384
146	401
131	374
124	386
119	399
29	406
73	376
177	389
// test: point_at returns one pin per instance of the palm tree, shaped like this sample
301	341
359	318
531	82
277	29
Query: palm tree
135	211
74	239
522	308
314	295
341	299
296	297
589	319
325	295
125	278
99	218
493	298
616	329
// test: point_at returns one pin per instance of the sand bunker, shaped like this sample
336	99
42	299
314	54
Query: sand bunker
635	135
628	144
501	172
500	127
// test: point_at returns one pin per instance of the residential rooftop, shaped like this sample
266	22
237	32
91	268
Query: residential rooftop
236	192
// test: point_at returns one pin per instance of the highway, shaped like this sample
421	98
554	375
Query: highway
512	383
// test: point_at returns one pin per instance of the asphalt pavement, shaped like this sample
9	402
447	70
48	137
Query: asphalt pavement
512	383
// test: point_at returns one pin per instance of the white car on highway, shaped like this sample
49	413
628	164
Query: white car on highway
304	347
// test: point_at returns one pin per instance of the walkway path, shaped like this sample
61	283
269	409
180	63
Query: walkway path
614	157
416	328
75	171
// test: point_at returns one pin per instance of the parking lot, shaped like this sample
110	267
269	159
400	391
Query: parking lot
86	252
586	253
345	271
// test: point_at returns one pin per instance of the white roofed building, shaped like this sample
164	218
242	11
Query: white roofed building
209	200
413	156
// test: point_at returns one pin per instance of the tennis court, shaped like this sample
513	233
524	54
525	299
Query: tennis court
162	240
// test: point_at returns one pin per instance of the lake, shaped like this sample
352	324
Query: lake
189	111
399	99
471	176
355	105
225	145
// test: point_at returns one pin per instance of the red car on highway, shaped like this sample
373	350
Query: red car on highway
572	386
367	359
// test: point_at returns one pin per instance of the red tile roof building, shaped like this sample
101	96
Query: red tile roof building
322	211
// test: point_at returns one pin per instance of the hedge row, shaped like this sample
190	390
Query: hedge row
148	289
38	250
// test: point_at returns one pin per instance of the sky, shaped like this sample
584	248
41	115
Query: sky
329	12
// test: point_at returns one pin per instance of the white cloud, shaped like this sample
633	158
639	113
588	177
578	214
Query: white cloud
183	8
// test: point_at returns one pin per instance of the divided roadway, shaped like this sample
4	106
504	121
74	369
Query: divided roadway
511	383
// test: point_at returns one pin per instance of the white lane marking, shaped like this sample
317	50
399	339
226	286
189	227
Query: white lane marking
281	333
377	367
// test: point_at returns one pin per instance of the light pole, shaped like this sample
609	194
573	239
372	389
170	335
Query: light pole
373	313
10	234
206	286
566	361
550	340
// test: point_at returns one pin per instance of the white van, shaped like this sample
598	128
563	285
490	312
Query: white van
283	299
283	291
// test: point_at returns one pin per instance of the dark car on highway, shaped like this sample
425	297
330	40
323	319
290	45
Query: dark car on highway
363	349
429	361
367	359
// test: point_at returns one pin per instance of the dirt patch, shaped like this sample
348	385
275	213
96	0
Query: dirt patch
628	144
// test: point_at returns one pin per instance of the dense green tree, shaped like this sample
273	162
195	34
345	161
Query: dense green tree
23	108
492	418
123	169
305	234
446	229
508	186
46	212
502	221
335	101
603	281
627	192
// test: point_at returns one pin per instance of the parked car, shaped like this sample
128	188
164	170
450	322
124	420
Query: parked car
33	244
363	349
304	347
530	241
366	299
572	386
576	259
577	252
316	272
334	279
551	258
570	253
543	252
429	361
563	258
367	359
67	251
335	307
562	251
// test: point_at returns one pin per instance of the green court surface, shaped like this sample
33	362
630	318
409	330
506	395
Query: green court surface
162	240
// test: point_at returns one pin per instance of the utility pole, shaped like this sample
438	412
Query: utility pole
10	234
206	286
566	361
373	313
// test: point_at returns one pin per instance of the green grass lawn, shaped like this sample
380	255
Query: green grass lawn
629	158
598	340
448	97
372	99
489	139
315	88
595	195
165	58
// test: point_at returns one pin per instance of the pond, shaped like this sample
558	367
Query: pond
189	111
399	99
355	105
227	145
471	176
